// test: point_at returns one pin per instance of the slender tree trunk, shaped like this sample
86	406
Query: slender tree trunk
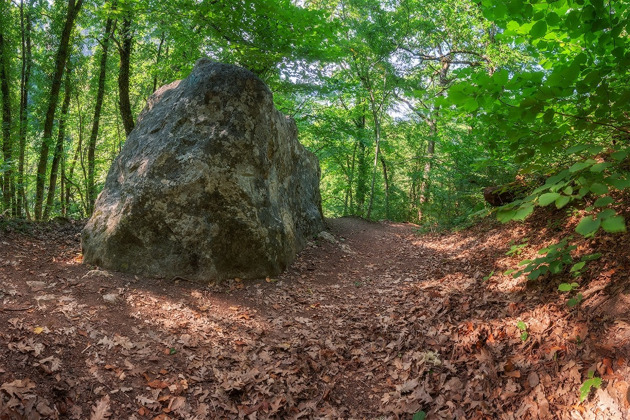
423	191
58	149
124	49
25	24
386	179
157	61
8	191
362	173
74	6
70	172
347	205
91	187
62	186
433	125
377	152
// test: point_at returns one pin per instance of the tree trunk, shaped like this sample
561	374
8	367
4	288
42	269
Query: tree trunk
124	49
363	168
74	6
423	192
91	187
386	179
62	187
157	61
25	24
348	198
58	149
68	178
377	151
8	191
433	124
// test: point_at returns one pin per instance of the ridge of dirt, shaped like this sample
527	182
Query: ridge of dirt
375	321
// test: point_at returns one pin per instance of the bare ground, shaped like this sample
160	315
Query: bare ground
377	322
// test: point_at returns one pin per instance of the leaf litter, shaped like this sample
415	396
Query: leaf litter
371	321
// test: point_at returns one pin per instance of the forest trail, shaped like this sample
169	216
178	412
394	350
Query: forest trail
376	321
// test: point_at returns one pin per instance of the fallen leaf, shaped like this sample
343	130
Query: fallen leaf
157	384
101	410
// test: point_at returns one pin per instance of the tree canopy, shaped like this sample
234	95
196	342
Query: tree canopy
412	106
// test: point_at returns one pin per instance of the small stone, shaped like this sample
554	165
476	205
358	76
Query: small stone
36	285
327	237
110	298
533	379
97	273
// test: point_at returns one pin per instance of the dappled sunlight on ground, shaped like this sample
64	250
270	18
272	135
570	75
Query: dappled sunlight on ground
376	322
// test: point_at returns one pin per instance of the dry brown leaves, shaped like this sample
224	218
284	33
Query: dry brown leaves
373	322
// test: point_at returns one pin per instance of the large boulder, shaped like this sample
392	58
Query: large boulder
212	183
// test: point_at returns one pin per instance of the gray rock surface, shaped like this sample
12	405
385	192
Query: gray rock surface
211	184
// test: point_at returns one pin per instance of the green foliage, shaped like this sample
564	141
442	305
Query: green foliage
560	112
589	384
552	260
574	301
412	107
420	415
567	287
523	328
517	249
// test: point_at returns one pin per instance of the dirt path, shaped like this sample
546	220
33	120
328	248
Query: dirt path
373	322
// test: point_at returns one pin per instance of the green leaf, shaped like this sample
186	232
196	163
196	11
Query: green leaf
535	274
539	29
577	266
591	257
615	224
505	216
575	301
565	287
587	226
585	389
605	214
420	415
599	189
578	166
548	198
562	201
604	201
620	155
599	167
521	326
523	212
620	183
555	267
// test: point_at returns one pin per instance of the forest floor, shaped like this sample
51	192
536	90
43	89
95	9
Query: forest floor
373	322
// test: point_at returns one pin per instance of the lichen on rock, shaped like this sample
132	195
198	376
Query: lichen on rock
212	183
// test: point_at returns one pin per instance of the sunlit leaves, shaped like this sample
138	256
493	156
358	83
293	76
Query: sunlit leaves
588	226
539	29
615	224
548	198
